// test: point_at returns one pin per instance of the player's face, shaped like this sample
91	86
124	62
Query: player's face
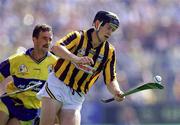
43	41
105	31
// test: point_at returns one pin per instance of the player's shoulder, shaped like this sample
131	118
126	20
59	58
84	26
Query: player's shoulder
73	33
17	56
77	33
52	56
20	51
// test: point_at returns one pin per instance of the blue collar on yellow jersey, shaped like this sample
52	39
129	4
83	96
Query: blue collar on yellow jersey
28	52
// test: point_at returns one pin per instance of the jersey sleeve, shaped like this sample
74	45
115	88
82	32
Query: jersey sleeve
4	69
7	67
71	40
109	71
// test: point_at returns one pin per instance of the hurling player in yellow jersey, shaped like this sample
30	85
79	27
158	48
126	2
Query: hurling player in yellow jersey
26	68
83	55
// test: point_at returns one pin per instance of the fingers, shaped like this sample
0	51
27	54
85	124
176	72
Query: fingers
119	96
86	60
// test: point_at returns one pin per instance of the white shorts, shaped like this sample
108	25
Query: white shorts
54	88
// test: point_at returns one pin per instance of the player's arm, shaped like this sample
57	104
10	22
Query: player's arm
63	46
4	70
110	78
115	90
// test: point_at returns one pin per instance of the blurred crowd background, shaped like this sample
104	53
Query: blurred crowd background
147	44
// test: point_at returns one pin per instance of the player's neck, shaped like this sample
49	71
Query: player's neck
95	40
37	54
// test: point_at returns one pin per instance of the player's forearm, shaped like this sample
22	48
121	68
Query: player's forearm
63	52
114	87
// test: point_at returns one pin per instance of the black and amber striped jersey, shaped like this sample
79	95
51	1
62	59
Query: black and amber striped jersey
82	77
26	72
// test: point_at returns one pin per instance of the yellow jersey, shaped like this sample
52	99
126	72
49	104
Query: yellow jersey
26	72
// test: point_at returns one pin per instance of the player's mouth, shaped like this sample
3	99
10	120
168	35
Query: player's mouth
106	36
46	46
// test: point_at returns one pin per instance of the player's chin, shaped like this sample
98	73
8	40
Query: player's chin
105	38
45	49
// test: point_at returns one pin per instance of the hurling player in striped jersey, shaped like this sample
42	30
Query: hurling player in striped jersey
83	56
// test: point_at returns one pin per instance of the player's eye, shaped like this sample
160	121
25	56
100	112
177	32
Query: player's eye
50	39
47	38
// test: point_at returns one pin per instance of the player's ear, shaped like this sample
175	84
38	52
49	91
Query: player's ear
97	24
34	40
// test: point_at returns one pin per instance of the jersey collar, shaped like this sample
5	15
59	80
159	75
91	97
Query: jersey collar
89	35
28	52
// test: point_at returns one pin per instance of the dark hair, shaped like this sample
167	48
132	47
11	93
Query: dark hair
107	17
41	27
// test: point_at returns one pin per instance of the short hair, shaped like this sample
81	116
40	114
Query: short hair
41	27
